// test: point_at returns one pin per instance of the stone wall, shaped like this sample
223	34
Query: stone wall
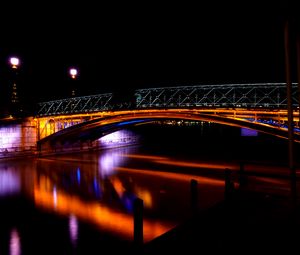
18	138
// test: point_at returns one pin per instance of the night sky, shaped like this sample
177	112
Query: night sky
123	46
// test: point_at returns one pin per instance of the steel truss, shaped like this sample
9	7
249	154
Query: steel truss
258	95
75	105
265	95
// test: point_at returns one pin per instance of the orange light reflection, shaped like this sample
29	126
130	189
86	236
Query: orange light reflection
144	157
107	218
175	176
197	165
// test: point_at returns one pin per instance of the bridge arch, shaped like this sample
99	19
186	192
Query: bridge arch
96	128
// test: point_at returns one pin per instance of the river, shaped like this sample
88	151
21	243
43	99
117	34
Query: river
81	203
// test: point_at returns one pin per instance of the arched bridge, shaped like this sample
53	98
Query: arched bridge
257	106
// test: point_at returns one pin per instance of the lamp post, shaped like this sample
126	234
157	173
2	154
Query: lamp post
73	73
14	100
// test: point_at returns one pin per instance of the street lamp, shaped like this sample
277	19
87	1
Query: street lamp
14	61
14	101
73	73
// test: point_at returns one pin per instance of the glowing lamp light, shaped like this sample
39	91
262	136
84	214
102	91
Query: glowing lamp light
73	73
14	62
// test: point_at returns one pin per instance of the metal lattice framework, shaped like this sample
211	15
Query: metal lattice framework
259	95
73	105
266	95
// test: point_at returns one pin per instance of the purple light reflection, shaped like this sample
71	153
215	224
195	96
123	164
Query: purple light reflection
10	182
54	197
73	229
14	243
111	159
248	132
108	163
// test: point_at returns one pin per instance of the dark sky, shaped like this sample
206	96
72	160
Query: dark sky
118	46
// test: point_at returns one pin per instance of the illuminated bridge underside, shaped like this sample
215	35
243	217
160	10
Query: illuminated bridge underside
96	128
52	124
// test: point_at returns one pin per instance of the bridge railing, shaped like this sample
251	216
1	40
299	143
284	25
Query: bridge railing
258	95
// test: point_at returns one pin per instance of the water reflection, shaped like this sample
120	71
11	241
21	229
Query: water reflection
10	181
97	189
78	175
14	243
100	214
73	229
111	159
54	197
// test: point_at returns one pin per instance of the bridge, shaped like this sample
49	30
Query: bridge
260	106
